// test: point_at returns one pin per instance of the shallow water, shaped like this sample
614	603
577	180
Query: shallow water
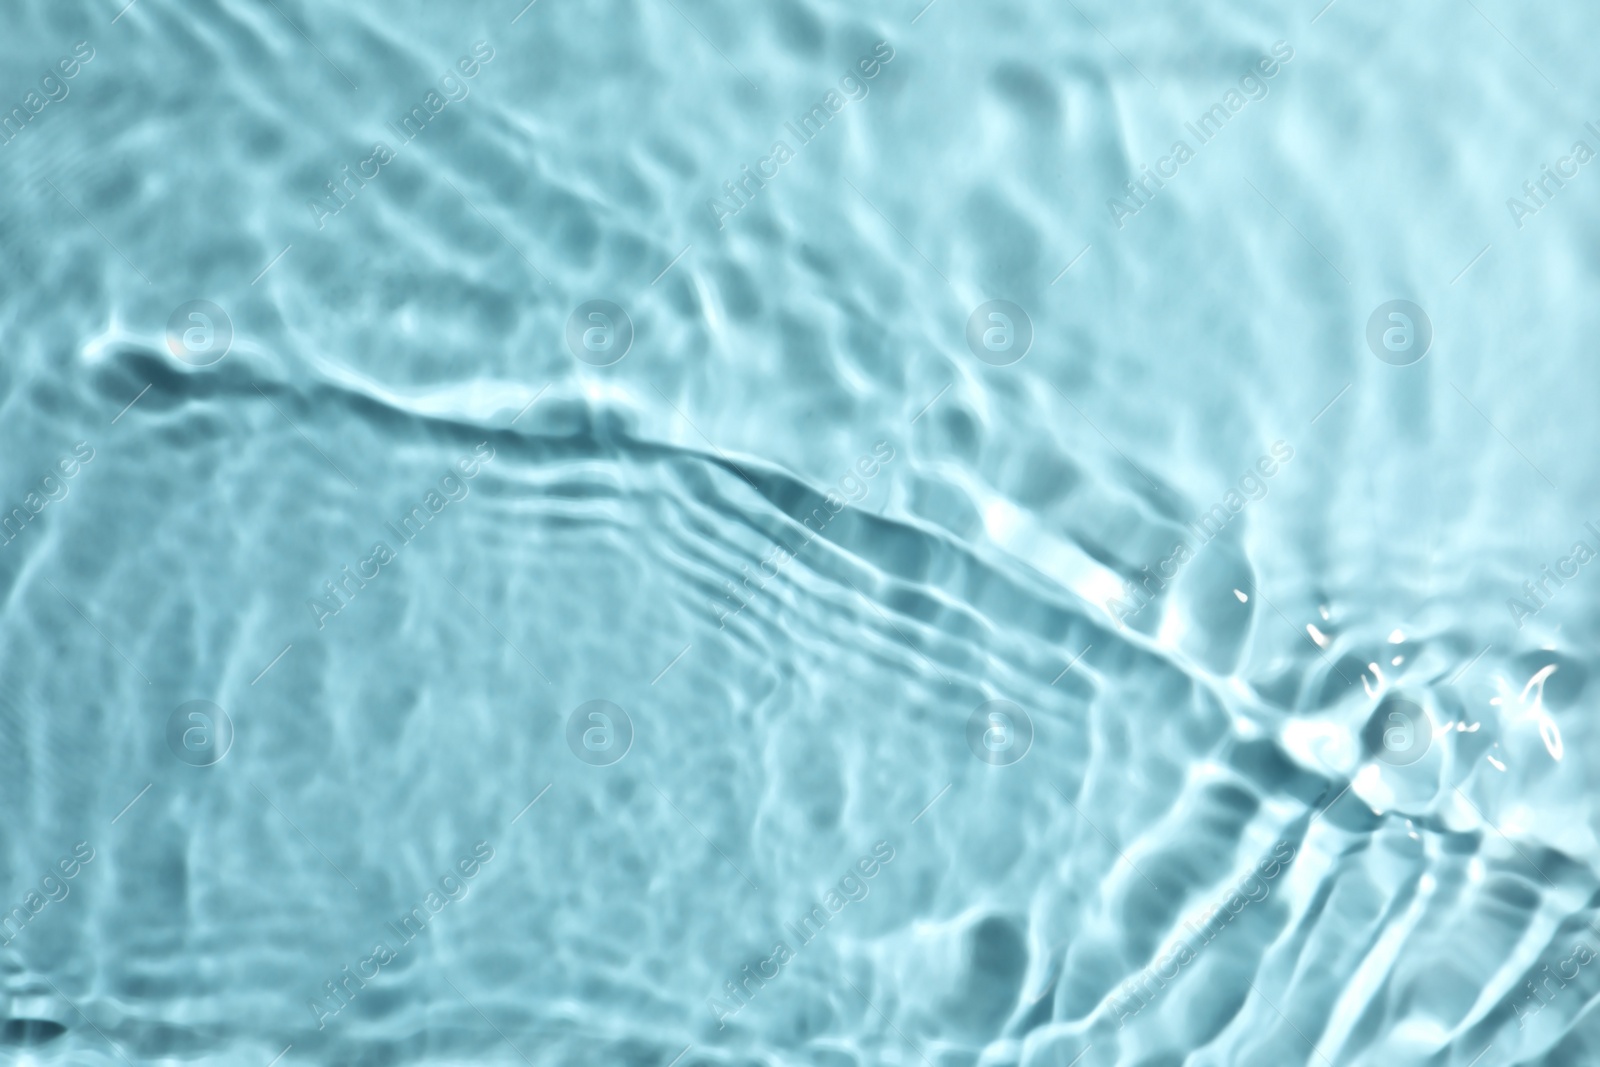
604	582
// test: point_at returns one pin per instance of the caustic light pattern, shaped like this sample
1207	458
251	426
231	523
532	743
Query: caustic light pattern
672	533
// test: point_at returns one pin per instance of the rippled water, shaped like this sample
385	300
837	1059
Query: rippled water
687	533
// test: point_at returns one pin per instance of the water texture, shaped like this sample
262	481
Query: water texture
686	533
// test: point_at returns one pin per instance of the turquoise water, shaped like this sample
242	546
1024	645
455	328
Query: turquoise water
687	533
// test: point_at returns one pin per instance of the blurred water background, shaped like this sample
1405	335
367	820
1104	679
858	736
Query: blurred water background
799	533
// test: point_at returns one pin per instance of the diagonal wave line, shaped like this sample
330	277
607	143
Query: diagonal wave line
530	403
720	453
131	803
895	228
1106	439
1330	403
258	277
497	230
99	231
1256	591
1503	435
1457	676
1297	229
132	402
674	663
1103	837
701	832
1292	1026
714	47
496	629
274	663
1503	836
889	1022
674	263
913	648
1068	267
1073	664
1475	259
97	630
1107	40
530	804
932	402
930	803
306	439
1514	48
314	48
1324	809
302	833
